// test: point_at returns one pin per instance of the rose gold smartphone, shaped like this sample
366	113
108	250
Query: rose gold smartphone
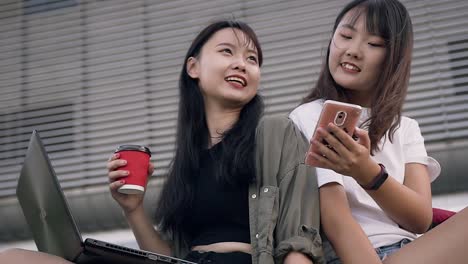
343	115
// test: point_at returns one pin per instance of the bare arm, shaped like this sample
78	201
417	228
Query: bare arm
132	205
408	204
147	237
345	234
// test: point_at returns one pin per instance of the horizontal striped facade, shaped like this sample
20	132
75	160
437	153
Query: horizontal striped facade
91	75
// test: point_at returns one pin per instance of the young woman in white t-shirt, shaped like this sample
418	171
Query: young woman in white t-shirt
375	193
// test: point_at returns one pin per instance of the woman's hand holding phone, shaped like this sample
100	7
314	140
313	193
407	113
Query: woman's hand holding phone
343	154
333	147
341	114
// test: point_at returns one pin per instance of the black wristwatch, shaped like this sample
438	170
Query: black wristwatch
378	180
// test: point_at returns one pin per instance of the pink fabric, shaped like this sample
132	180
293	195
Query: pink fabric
440	215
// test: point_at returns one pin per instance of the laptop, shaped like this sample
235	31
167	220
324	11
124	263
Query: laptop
51	222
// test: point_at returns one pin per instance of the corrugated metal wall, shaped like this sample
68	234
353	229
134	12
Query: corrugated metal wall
90	75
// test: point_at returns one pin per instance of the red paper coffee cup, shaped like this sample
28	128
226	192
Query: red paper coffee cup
137	158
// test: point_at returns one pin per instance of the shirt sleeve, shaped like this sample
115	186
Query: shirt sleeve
325	176
305	117
293	209
295	117
299	215
414	149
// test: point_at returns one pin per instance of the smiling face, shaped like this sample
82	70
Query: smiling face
356	58
227	69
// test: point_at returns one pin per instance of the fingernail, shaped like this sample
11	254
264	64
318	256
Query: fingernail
126	172
122	181
124	162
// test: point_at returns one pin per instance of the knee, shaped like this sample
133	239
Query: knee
11	253
20	256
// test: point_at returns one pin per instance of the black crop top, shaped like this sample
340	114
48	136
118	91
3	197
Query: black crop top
219	212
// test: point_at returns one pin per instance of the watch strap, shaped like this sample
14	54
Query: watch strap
378	180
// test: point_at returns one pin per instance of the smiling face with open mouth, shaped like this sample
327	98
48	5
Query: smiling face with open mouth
227	69
356	57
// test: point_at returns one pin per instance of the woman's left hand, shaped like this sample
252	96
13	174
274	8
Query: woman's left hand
343	154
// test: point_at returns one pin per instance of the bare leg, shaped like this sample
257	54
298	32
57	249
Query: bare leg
446	243
20	256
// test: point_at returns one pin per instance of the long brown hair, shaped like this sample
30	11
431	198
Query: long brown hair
390	20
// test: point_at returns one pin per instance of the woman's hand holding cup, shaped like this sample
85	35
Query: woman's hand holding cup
128	179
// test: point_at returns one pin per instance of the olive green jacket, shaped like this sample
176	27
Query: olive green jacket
283	201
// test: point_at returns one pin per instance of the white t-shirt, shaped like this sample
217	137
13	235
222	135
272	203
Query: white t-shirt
407	147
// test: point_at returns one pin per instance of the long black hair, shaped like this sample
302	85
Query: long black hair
390	20
236	160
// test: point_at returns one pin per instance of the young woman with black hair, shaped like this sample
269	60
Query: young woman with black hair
236	186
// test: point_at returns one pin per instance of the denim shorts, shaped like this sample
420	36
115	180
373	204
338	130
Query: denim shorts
217	258
382	252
